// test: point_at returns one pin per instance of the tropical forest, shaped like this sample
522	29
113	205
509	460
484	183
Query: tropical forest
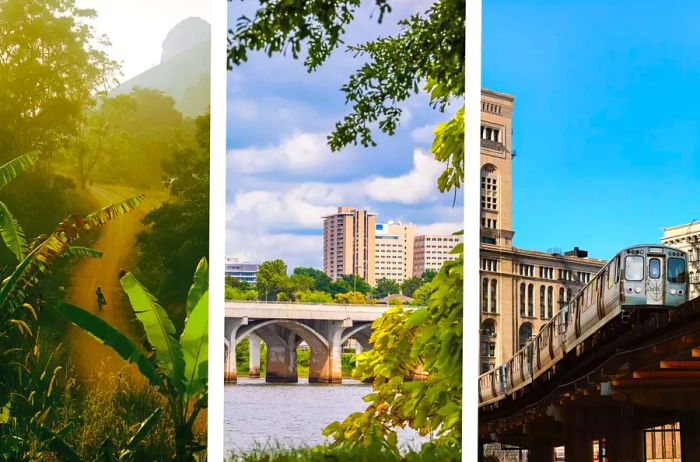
104	226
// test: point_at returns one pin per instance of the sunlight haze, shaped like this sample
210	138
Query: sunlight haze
137	29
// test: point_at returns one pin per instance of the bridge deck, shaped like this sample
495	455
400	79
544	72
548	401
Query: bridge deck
328	312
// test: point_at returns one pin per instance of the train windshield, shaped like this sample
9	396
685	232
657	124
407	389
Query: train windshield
654	268
676	270
634	267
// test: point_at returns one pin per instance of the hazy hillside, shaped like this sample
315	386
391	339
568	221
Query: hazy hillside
184	69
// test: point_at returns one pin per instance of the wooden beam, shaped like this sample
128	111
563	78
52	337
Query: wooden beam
679	364
657	383
684	374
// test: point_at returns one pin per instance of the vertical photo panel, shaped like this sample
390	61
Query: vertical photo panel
344	253
104	219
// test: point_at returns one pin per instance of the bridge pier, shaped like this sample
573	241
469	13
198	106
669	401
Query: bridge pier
231	326
625	442
541	451
578	447
690	437
254	356
325	364
281	358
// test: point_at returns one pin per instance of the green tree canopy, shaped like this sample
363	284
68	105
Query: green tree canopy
428	275
322	281
350	283
270	279
352	298
386	287
50	73
410	285
236	283
313	296
178	231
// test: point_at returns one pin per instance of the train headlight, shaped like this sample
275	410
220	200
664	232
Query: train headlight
680	291
673	292
638	290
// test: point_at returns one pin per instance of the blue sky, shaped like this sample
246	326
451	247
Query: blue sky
606	121
281	177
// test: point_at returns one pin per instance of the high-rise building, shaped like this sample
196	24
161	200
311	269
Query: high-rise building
244	271
348	243
687	238
393	255
520	290
432	250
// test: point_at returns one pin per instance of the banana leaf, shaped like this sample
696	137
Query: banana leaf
12	233
110	212
160	330
145	427
195	344
110	336
13	168
76	251
200	284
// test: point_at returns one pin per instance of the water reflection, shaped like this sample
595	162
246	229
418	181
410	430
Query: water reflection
291	414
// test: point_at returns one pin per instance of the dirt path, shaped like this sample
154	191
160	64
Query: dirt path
117	241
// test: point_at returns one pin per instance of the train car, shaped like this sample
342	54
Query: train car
642	278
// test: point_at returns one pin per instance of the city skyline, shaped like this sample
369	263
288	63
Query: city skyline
600	108
282	178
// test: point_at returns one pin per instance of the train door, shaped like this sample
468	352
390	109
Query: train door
655	289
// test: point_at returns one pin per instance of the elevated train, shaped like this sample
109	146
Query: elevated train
637	279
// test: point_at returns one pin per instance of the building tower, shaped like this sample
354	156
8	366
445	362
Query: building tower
348	244
393	257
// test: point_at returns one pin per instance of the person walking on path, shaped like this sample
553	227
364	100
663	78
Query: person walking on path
101	301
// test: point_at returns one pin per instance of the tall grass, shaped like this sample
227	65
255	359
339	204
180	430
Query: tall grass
327	453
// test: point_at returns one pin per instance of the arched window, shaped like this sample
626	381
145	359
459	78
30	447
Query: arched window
530	300
542	302
485	295
488	327
561	297
489	187
568	295
550	301
524	334
494	296
522	299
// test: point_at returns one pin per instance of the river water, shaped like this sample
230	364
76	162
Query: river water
293	415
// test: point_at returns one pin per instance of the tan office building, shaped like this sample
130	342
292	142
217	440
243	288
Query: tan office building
348	244
520	290
393	255
432	250
687	238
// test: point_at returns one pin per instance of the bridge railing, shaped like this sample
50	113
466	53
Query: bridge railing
276	302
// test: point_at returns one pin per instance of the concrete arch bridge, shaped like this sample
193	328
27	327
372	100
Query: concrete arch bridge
283	326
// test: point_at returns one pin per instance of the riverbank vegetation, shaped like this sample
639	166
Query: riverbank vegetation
311	285
427	53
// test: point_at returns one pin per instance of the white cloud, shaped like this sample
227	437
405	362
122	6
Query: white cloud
300	153
423	134
277	208
439	228
415	186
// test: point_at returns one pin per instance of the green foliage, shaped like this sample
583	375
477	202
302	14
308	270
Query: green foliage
236	283
303	357
410	285
279	26
448	147
329	453
352	298
395	301
313	296
177	366
428	337
52	69
234	293
421	295
350	283
270	279
386	287
347	362
322	282
428	275
177	232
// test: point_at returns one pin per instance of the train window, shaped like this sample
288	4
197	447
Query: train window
654	268
676	270
634	267
617	269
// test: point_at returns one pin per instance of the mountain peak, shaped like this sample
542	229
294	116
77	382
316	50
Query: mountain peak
186	35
